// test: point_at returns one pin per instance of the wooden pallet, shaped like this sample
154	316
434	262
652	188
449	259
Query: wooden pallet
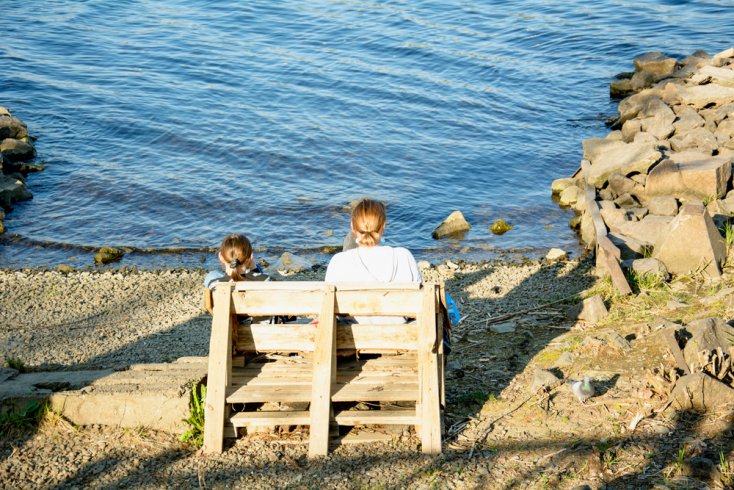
405	365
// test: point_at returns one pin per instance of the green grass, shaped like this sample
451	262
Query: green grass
727	231
195	434
14	418
17	364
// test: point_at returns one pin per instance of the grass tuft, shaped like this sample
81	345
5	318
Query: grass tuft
195	434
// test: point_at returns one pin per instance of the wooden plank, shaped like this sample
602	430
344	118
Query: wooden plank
219	355
611	253
363	437
269	393
208	301
401	336
376	392
316	286
300	337
383	417
377	302
429	400
276	338
284	379
324	364
244	419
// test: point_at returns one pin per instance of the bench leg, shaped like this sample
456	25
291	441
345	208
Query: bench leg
324	364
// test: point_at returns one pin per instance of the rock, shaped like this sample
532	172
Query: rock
613	217
690	174
648	139
636	213
698	391
542	378
691	242
630	129
656	118
657	64
590	310
500	227
650	266
12	190
647	230
65	268
569	195
624	185
615	136
564	360
556	255
663	206
688	119
629	247
107	255
617	157
700	467
620	88
617	341
559	185
725	132
707	334
289	263
16	150
11	127
699	139
700	96
504	327
626	201
719	58
722	76
454	224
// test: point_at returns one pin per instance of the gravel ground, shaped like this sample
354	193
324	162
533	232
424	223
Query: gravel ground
498	439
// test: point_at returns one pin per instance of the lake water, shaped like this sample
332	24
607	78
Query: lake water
168	124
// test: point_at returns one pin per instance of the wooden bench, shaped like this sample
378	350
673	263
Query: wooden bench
409	367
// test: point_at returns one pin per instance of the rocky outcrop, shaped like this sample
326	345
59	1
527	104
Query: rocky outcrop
671	148
454	224
16	146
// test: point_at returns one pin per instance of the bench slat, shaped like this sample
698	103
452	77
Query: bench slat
244	419
383	417
257	302
300	337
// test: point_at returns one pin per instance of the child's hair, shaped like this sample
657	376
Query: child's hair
236	250
368	221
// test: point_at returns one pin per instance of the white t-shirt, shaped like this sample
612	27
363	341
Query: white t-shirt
374	264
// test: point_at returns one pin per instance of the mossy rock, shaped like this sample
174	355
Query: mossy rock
65	268
500	227
107	255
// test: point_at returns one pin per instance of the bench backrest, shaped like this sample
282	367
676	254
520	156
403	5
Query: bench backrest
305	299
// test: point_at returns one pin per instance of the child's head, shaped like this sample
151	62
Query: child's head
236	256
368	222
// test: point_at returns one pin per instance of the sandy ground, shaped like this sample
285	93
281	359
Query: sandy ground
506	429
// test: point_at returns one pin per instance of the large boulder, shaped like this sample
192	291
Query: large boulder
700	96
624	185
662	205
12	127
725	133
656	64
722	76
16	150
707	334
720	58
558	185
610	157
629	248
691	243
656	118
649	267
647	230
632	105
570	195
12	190
701	392
700	139
687	119
690	174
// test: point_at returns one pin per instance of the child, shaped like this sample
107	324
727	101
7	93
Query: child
238	262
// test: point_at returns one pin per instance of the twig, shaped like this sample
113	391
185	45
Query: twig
507	316
491	425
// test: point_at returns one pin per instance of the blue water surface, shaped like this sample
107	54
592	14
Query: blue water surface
172	123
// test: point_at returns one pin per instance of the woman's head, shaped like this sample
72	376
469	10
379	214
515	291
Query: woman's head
236	256
368	222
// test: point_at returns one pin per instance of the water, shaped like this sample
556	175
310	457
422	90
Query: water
172	123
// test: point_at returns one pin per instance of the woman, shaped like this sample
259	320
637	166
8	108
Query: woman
369	261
